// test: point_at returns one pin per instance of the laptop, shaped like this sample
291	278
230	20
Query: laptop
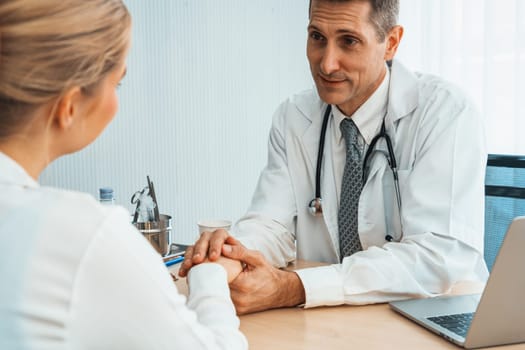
495	317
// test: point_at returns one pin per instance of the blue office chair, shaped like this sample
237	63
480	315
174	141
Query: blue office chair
504	199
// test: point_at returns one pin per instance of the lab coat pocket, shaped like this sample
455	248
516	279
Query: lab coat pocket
371	210
393	199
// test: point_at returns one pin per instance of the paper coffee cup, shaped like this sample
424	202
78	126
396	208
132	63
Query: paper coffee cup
213	224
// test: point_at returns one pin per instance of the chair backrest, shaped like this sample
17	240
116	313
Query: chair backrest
504	199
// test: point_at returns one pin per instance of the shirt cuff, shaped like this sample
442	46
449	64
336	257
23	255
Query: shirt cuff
208	279
322	286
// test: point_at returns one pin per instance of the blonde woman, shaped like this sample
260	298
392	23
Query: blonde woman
75	274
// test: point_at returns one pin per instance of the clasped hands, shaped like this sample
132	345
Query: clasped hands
255	285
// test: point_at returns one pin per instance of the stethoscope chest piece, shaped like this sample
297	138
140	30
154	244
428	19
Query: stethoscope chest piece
315	207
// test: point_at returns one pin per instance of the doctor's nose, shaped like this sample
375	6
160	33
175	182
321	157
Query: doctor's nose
329	61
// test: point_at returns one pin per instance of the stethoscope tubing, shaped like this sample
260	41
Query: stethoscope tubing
315	205
326	118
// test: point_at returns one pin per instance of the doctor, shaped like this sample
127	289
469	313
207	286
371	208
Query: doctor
417	236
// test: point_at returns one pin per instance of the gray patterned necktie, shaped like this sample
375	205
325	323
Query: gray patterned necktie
351	187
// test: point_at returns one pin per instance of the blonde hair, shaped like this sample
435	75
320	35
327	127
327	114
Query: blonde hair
50	46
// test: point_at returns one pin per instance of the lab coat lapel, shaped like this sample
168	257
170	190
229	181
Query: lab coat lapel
329	194
310	140
402	100
403	94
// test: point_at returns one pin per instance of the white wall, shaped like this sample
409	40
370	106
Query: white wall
204	78
479	45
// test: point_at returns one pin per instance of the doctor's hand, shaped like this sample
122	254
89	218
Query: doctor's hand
233	267
207	247
260	286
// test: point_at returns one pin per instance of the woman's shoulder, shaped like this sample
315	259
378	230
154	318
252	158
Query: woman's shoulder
77	215
72	204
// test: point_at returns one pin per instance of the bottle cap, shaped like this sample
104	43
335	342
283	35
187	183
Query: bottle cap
105	193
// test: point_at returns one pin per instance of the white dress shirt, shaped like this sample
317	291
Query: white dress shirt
367	118
77	275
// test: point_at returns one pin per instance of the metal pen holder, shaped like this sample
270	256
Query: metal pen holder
158	233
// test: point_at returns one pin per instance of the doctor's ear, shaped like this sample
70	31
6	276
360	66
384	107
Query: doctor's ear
393	39
67	108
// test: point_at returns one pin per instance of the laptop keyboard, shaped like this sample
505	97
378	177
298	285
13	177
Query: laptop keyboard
457	323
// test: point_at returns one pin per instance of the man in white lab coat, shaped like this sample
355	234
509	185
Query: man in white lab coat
421	249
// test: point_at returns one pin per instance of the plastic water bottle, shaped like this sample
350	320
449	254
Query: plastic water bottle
106	196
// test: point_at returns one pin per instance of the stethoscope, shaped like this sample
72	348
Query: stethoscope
315	206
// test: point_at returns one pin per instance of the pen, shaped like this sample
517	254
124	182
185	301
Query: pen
174	261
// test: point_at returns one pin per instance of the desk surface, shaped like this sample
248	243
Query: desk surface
341	327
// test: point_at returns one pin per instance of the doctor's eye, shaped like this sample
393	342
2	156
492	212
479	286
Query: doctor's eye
350	41
316	36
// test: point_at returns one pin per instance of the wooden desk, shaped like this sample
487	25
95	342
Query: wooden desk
341	327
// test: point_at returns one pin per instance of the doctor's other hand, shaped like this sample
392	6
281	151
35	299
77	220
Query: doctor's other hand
233	267
260	286
208	246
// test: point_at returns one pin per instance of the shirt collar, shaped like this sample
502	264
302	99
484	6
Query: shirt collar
369	116
12	173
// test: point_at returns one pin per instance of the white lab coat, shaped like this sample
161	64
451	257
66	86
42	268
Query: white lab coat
439	144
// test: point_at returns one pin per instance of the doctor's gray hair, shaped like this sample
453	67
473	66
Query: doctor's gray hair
383	16
50	46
